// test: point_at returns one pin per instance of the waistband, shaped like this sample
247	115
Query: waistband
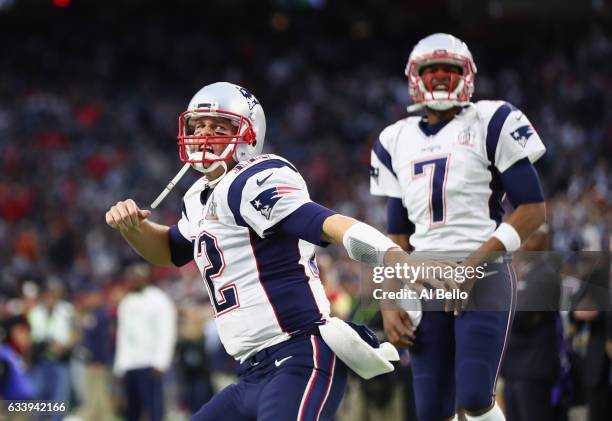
459	257
260	356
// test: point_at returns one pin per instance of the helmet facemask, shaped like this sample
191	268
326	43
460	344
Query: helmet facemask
197	149
422	91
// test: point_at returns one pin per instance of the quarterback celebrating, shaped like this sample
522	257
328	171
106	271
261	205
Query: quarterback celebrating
252	229
445	175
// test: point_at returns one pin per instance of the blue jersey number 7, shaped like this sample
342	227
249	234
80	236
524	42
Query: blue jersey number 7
437	168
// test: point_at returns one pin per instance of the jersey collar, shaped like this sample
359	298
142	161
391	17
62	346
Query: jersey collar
432	129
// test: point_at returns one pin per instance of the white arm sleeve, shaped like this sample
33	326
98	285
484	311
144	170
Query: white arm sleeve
271	195
517	140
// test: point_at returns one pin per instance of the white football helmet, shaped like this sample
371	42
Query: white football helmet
222	99
440	48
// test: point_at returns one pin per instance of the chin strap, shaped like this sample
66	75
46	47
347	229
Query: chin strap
213	183
181	173
417	106
170	186
199	167
210	183
412	108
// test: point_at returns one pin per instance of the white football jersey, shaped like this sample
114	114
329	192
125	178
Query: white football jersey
449	181
263	285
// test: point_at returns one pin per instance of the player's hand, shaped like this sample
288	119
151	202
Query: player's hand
398	328
430	273
155	373
457	306
126	215
437	275
470	270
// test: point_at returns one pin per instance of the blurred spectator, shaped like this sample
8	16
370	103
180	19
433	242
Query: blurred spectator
532	364
193	364
146	337
96	350
223	366
14	345
589	333
53	337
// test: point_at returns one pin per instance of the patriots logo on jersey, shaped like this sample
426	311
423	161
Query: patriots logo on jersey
265	201
522	134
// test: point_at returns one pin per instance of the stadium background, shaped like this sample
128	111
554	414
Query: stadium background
90	93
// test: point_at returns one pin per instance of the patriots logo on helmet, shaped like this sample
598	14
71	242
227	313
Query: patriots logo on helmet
265	201
522	134
252	101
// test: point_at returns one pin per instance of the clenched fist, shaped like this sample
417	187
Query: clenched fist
398	328
126	215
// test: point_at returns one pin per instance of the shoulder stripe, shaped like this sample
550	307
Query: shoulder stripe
184	209
494	128
383	156
234	193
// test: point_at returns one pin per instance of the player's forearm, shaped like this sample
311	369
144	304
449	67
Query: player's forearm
335	227
525	219
402	240
150	240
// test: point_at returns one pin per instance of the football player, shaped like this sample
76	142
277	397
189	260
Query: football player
445	175
252	229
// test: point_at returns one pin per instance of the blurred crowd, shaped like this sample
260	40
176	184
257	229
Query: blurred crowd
88	116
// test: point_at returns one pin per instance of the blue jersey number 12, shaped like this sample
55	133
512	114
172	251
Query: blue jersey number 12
215	264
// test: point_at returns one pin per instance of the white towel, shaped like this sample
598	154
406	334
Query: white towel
356	353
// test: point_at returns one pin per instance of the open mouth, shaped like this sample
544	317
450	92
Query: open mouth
208	149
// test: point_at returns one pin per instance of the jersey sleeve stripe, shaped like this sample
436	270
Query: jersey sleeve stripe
184	210
181	249
234	194
383	156
494	128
